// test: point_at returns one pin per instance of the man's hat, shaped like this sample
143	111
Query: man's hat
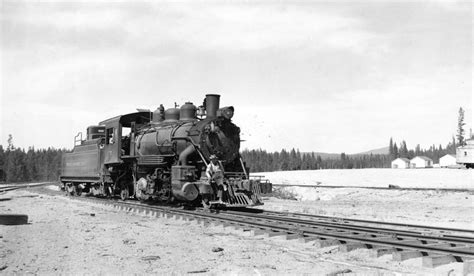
213	156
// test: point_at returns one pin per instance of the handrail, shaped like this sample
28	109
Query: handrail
78	140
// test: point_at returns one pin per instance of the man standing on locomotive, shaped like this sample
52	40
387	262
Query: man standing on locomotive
215	173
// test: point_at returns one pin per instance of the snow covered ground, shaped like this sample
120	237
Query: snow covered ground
429	207
404	178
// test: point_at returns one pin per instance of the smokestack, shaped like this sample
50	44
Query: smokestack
212	105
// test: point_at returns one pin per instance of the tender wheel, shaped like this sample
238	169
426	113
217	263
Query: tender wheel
61	186
78	191
124	194
71	190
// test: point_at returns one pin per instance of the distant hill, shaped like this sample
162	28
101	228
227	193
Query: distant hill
383	150
325	155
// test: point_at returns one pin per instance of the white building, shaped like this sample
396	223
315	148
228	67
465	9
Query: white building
421	162
465	154
400	163
447	160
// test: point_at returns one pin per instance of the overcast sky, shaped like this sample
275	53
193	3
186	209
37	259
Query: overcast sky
332	76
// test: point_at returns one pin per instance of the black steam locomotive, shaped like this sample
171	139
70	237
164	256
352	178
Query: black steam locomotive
162	156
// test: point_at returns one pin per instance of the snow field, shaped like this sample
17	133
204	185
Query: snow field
404	178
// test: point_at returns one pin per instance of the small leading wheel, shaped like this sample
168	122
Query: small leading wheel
108	191
205	203
124	194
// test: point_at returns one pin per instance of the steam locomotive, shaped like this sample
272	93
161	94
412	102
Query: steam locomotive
162	156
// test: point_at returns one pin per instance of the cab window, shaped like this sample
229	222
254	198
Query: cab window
110	136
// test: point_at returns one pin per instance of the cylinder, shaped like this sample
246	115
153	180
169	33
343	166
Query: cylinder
212	105
182	182
187	111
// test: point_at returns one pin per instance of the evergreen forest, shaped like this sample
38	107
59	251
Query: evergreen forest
19	165
263	161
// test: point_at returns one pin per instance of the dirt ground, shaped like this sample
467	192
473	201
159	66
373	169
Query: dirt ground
72	237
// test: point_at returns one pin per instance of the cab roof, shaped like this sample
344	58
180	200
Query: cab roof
127	119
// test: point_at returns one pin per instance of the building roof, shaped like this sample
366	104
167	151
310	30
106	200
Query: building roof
452	155
401	158
423	157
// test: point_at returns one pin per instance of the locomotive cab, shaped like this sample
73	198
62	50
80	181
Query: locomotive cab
119	135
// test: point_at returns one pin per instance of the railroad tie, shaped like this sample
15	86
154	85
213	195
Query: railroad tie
320	243
305	239
271	233
378	251
292	236
400	256
350	246
433	261
257	232
228	225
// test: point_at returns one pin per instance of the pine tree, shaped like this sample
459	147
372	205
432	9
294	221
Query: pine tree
390	147
395	151
10	143
2	164
403	149
417	150
293	160
460	134
30	164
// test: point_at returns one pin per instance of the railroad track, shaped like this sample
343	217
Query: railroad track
436	245
6	188
391	188
446	231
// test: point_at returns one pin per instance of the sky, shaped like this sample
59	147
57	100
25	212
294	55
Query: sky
335	76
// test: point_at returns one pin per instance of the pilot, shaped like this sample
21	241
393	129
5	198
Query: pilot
215	173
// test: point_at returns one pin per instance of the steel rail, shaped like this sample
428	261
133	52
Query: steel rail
271	224
7	188
368	229
461	190
433	228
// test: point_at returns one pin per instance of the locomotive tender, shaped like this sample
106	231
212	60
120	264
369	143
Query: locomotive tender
162	156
